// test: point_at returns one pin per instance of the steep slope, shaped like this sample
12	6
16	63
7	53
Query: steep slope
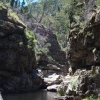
17	56
46	36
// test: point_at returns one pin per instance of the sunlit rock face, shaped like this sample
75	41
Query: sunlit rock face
47	36
47	39
84	46
17	61
54	49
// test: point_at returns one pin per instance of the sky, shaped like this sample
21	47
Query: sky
29	0
32	0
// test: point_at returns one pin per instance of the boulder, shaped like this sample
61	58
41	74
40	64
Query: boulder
53	79
53	88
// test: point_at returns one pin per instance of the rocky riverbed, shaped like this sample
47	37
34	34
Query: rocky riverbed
78	86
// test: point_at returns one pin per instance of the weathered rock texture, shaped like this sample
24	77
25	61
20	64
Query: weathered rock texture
81	85
84	45
47	39
97	80
17	61
46	36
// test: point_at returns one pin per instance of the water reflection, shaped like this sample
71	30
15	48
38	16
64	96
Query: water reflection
39	95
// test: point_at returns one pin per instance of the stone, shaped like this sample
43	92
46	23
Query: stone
70	98
1	97
53	88
83	87
60	98
96	80
52	79
88	93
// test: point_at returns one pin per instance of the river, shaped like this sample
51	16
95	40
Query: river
38	95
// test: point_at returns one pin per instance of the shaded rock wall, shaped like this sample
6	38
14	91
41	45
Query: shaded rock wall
84	47
97	80
17	61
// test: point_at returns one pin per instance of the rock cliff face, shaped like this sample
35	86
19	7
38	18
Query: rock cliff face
84	46
46	36
17	57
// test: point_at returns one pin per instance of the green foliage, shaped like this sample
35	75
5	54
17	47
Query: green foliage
50	58
4	5
21	43
44	49
31	39
92	97
29	34
74	84
98	3
89	34
66	19
1	5
12	3
58	94
13	15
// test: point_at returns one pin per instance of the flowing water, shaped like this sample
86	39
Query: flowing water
38	95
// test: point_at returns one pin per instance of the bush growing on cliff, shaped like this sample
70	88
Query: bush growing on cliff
93	97
31	38
74	84
44	49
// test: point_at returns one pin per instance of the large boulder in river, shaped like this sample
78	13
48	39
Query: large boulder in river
17	56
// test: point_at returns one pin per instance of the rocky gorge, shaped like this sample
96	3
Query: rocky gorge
20	71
